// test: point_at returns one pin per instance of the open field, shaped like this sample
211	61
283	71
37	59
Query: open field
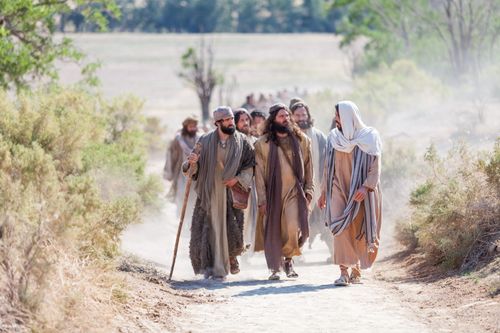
147	65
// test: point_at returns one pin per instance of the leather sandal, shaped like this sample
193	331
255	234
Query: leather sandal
342	281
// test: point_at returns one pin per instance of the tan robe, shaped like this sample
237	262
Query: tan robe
218	237
172	171
347	250
289	215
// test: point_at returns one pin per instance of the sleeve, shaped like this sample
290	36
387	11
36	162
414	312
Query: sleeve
322	158
245	176
308	170
260	170
167	169
324	179
373	177
186	165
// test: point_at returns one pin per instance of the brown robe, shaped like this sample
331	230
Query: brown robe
289	216
172	171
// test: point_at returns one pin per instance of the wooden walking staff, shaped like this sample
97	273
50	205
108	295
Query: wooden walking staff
183	213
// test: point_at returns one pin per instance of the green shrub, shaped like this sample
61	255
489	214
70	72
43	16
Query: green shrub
491	167
455	211
71	179
154	135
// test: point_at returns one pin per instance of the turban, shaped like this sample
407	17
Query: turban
223	112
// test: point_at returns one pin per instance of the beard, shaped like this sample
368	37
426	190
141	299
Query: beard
227	130
305	124
190	134
245	130
339	127
281	128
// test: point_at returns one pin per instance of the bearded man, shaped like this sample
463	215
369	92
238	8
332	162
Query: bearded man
221	159
178	150
302	116
243	122
351	192
258	119
285	188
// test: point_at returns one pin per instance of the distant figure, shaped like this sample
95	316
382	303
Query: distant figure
351	192
271	100
285	188
221	159
178	150
262	102
302	116
249	104
281	94
258	120
243	122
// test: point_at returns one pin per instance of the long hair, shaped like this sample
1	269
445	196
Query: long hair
184	130
268	125
239	112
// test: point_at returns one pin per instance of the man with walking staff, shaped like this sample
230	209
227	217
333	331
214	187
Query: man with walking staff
221	159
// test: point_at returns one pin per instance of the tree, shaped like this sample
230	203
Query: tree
198	71
388	25
314	15
468	28
28	48
463	31
248	20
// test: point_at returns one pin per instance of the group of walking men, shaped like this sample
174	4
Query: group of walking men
299	184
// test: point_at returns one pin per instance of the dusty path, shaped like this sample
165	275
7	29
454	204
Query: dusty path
309	303
247	302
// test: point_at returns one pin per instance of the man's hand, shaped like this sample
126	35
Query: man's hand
193	159
230	182
360	194
262	209
322	200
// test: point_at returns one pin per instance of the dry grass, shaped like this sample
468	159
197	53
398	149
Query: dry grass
455	212
59	229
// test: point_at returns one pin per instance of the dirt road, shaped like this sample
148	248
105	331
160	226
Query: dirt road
247	302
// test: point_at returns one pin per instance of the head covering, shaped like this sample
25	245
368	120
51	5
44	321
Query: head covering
276	107
354	132
295	100
238	112
222	112
190	120
257	113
